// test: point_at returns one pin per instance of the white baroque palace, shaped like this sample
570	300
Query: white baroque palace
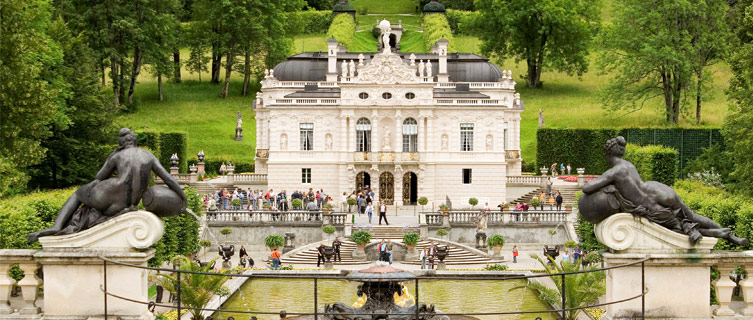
407	125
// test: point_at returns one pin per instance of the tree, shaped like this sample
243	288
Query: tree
552	34
28	101
656	48
737	133
196	289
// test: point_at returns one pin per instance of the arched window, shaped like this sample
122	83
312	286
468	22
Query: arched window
363	135
410	135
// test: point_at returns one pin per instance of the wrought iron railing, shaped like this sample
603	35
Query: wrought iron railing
316	313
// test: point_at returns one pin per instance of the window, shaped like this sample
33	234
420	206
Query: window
363	135
410	135
467	176
363	95
466	137
307	136
410	95
386	96
306	175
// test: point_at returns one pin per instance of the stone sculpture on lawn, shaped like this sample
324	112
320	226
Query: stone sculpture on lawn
621	189
110	195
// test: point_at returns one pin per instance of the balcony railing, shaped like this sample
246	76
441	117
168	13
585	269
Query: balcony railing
307	101
276	217
460	218
387	156
525	180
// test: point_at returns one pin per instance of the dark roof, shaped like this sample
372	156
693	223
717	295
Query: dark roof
462	67
319	93
434	6
344	6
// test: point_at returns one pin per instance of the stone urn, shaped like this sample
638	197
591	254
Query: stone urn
360	252
442	252
497	250
329	252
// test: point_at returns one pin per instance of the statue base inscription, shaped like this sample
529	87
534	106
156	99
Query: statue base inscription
75	274
676	274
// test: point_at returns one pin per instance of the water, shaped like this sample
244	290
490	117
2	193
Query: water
451	296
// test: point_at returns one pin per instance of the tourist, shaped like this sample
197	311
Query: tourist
313	210
551	202
431	253
566	256
568	169
344	204
369	211
559	201
542	199
514	254
362	205
583	261
275	259
250	261
525	207
576	254
389	250
383	213
501	206
320	255
553	169
336	246
422	256
562	168
243	251
223	168
486	207
382	249
242	262
318	199
549	185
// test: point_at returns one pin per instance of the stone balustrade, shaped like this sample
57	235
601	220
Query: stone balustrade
29	284
257	178
461	218
525	180
276	217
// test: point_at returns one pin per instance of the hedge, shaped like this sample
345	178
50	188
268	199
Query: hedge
173	142
461	22
584	148
149	140
23	214
313	21
343	28
452	4
181	233
212	165
436	27
654	163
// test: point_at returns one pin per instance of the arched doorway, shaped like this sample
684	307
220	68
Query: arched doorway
410	188
387	188
393	40
363	179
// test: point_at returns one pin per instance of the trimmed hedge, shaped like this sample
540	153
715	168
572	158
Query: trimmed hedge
436	27
212	166
173	142
343	28
23	214
149	140
654	163
461	22
584	148
181	236
452	4
313	21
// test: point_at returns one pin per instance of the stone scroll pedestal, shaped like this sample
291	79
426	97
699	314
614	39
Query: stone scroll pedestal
677	275
74	272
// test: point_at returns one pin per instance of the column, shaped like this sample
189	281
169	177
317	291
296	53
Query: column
6	284
397	139
398	177
724	287
29	287
342	143
376	138
430	139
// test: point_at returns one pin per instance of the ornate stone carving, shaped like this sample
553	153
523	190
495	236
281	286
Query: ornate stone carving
489	143
386	69
328	142
445	142
136	229
283	142
625	232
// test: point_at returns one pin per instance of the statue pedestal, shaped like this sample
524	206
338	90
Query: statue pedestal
74	272
328	265
677	275
441	265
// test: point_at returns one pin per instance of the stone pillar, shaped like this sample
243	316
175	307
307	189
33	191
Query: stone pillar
724	287
29	284
581	178
446	220
544	173
441	265
29	287
200	168
398	177
442	75
6	284
423	231
174	172
747	288
193	176
376	137
230	175
332	60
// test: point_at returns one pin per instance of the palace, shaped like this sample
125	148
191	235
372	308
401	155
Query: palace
439	125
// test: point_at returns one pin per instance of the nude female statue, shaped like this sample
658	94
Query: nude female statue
107	197
621	189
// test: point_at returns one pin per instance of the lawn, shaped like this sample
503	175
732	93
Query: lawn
385	6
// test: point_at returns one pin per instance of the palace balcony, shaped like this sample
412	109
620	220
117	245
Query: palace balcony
386	157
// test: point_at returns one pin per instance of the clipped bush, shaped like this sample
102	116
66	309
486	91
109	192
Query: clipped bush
570	244
205	243
274	241
343	29
461	22
410	238
226	231
593	257
296	203
212	165
173	142
352	201
236	202
360	237
452	4
23	214
313	21
328	229
436	27
495	240
654	163
442	232
535	202
423	201
495	267
473	202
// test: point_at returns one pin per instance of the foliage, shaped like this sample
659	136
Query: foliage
352	201
444	207
23	214
442	232
360	237
328	229
452	4
581	289
343	28
313	21
709	178
320	4
570	244
274	241
170	143
660	49
226	231
535	202
423	201
473	201
461	22
196	289
496	240
552	34
410	238
495	267
654	163
296	203
714	158
436	27
586	236
181	235
739	137
205	243
593	257
236	202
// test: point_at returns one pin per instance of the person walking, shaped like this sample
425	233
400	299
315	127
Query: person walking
369	211
383	213
423	255
344	205
432	251
243	252
275	259
320	255
362	205
515	254
568	169
549	185
566	256
551	202
559	201
389	250
542	199
336	246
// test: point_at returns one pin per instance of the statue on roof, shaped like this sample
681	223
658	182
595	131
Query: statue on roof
386	28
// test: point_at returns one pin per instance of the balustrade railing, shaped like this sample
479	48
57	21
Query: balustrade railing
250	177
525	180
469	217
29	284
296	217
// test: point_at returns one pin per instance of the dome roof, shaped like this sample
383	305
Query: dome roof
344	6
434	6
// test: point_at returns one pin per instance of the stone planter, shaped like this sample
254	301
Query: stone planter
497	250
359	253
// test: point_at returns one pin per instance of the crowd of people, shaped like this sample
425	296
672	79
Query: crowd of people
576	256
428	256
256	200
562	167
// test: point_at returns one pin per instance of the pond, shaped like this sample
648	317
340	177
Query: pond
451	296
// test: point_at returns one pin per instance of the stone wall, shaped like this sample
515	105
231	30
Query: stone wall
253	236
513	233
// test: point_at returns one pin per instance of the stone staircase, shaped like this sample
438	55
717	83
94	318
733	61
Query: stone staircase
387	232
457	255
568	195
309	255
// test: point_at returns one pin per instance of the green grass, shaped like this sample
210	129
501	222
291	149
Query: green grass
364	42
386	6
309	43
412	41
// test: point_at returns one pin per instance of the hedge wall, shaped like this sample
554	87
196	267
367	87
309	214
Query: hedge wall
584	148
654	163
213	165
452	4
461	22
436	27
23	214
313	21
149	140
173	142
343	28
181	232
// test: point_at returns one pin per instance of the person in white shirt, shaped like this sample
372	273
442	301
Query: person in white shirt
383	213
369	211
344	201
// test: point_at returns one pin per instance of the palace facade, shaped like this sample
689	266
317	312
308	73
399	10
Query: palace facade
439	125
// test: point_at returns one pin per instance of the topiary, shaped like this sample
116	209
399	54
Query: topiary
535	202
441	232
297	203
205	243
361	237
410	238
495	240
328	229
570	244
274	241
473	202
352	201
423	201
226	231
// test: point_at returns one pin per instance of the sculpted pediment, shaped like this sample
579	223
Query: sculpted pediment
387	69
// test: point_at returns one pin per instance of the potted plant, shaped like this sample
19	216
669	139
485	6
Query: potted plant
473	202
423	201
361	238
236	203
327	208
265	206
225	232
535	202
411	239
568	208
296	203
441	233
274	241
444	208
351	202
496	242
328	230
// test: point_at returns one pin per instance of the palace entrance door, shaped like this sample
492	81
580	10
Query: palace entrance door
410	188
387	188
363	179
